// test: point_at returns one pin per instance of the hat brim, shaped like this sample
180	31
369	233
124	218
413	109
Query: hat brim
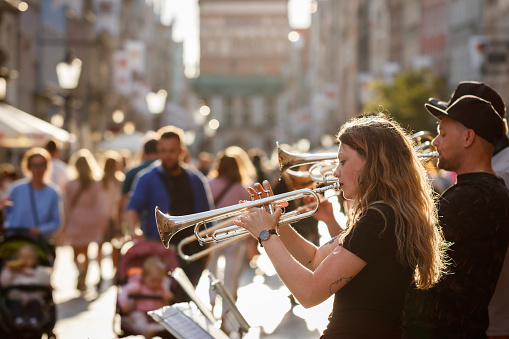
435	111
437	103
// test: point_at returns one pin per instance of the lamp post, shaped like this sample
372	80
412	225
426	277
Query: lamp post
156	101
3	88
5	75
68	74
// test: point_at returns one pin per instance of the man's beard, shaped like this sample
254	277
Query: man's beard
446	165
172	168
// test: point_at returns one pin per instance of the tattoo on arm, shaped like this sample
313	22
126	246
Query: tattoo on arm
331	241
340	281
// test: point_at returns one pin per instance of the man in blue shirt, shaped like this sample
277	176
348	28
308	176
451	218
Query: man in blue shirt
175	188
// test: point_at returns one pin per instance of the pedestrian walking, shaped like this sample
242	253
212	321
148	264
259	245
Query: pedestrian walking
176	188
84	210
34	204
228	187
111	183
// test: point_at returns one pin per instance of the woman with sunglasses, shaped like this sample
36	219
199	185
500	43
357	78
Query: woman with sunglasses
34	204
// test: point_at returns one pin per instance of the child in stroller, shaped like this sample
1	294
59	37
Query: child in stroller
26	303
144	285
153	289
25	270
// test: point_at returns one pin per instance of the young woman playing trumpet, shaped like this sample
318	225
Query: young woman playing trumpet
392	238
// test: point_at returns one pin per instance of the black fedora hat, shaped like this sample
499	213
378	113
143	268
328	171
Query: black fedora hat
475	113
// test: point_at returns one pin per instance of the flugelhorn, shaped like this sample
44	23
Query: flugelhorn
168	225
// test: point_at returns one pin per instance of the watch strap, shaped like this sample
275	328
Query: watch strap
271	231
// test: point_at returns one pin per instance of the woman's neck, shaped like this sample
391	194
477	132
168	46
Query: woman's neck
37	184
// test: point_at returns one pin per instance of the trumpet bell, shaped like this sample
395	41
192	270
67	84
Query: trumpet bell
165	227
289	160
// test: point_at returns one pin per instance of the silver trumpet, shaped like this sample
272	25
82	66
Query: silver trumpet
168	225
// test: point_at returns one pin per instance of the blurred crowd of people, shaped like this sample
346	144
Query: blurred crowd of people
98	198
92	193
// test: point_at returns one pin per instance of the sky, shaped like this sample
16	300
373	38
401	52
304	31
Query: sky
185	15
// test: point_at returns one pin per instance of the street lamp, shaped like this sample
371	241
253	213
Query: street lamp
3	88
68	74
156	101
5	75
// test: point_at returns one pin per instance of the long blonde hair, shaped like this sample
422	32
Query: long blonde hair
110	165
394	175
84	167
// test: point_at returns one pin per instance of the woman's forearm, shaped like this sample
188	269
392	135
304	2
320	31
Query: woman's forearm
301	249
302	282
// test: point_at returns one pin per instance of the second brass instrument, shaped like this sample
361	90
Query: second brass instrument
324	164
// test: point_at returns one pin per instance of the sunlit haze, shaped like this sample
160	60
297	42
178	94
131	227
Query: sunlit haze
185	17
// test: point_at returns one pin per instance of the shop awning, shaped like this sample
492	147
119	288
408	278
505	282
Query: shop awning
132	142
23	130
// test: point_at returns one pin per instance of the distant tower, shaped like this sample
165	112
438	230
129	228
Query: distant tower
244	51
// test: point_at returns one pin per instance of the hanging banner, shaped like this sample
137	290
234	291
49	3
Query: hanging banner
107	14
136	51
122	75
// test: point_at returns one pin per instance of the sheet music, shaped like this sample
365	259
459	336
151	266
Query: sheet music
186	322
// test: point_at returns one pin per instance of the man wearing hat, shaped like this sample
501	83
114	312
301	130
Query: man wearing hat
499	305
474	215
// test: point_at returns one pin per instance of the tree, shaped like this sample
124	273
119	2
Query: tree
404	99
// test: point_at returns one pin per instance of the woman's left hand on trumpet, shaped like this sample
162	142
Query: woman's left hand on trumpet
257	219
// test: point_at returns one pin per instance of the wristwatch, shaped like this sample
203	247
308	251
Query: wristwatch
265	234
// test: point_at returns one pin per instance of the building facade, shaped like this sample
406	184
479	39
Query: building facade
244	51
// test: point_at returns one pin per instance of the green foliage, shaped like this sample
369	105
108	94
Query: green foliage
404	99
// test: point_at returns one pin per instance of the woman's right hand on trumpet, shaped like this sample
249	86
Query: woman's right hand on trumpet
257	219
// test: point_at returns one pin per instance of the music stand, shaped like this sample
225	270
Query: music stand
240	322
195	320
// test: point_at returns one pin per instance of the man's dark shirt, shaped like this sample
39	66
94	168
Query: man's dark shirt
474	215
182	203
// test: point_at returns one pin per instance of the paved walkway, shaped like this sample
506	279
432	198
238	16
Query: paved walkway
262	299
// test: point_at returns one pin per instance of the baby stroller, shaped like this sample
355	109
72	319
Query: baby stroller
131	259
9	244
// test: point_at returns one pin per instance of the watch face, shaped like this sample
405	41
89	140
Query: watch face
264	235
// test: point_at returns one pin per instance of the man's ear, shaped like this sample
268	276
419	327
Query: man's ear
469	137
